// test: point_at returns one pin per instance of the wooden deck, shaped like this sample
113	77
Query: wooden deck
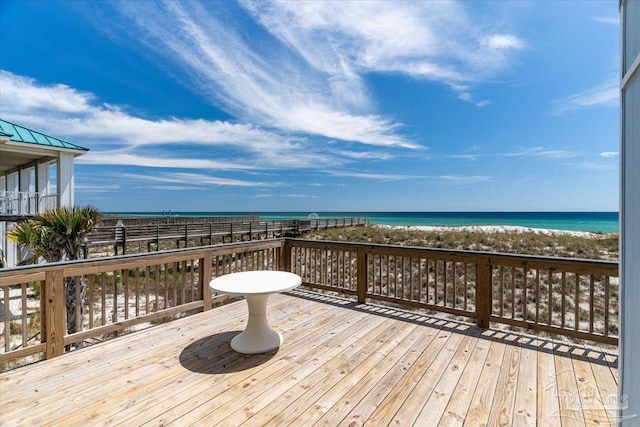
342	363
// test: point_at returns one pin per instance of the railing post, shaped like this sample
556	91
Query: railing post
205	278
43	308
284	261
483	291
54	313
361	277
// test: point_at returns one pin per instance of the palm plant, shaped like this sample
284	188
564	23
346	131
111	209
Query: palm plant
58	235
40	241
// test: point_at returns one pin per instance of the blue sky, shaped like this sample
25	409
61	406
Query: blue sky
323	106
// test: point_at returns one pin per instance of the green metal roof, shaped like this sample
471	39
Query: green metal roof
22	134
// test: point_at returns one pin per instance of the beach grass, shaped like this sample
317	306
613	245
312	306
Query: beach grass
601	246
558	296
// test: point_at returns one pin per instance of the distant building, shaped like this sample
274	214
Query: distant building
36	174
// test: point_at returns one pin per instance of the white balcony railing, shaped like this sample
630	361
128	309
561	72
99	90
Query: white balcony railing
26	203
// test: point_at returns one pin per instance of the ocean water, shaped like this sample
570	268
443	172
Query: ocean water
605	222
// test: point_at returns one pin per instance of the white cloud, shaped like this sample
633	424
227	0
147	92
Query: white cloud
83	121
290	196
299	196
381	36
262	83
67	111
614	20
452	179
605	94
170	187
195	180
607	154
365	155
502	41
124	159
541	152
462	180
473	157
368	175
433	40
592	166
97	188
333	124
306	73
465	96
556	154
24	94
544	153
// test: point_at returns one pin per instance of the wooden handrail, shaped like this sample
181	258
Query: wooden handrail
118	236
159	284
573	297
470	283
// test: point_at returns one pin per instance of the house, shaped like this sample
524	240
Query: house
629	381
36	174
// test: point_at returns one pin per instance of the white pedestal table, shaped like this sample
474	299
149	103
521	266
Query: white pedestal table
256	286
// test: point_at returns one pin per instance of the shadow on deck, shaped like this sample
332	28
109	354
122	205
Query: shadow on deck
342	363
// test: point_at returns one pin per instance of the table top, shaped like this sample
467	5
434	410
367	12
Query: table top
255	282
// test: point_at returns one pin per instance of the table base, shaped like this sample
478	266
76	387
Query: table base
257	337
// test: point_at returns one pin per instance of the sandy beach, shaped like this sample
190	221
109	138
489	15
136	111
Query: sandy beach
492	238
495	229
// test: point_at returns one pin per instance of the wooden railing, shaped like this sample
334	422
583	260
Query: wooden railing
110	220
576	298
201	233
24	203
117	294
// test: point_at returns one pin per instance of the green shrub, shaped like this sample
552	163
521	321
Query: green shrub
598	246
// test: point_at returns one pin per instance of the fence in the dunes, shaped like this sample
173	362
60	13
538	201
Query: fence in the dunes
185	232
47	308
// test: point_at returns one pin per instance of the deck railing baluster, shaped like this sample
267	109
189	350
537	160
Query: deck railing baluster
469	284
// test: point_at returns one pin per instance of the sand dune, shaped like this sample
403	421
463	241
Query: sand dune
495	229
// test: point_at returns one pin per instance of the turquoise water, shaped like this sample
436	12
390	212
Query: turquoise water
605	222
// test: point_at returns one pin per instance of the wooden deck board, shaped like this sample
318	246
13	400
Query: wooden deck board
503	400
434	407
199	360
568	393
479	410
349	401
591	401
372	397
342	363
339	348
334	371
412	405
525	408
548	406
456	411
271	378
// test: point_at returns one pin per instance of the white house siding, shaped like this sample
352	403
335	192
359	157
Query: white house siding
38	179
65	180
629	367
